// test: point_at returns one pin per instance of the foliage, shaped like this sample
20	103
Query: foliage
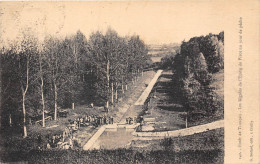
167	61
65	71
193	67
117	156
166	143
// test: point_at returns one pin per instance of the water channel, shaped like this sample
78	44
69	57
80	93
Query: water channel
113	138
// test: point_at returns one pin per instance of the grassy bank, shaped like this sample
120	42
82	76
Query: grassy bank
207	147
209	141
117	156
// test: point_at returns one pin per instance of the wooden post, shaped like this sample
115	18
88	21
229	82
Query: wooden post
10	120
186	120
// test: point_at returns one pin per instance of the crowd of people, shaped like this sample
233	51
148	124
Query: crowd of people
65	140
92	120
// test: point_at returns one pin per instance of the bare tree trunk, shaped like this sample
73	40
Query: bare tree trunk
43	104
42	95
186	120
116	91
133	78
123	85
112	93
55	101
107	104
24	91
108	81
116	96
24	118
126	87
123	91
116	85
108	74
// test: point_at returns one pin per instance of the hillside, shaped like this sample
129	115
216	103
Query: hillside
218	83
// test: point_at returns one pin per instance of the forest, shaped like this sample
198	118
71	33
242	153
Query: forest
39	78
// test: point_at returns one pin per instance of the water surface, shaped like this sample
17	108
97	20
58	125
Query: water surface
114	138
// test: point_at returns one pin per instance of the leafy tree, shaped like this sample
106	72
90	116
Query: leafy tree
193	68
40	77
26	51
58	68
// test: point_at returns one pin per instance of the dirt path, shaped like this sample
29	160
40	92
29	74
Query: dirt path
181	132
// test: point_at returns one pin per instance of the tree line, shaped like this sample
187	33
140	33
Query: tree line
57	73
193	67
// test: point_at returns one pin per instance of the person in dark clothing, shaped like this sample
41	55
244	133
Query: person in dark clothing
141	120
130	120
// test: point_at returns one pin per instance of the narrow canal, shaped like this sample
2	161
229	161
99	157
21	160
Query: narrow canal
114	138
121	137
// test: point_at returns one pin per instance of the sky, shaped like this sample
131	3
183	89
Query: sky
155	22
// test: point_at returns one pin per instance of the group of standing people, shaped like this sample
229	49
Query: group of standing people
65	140
104	120
92	119
130	120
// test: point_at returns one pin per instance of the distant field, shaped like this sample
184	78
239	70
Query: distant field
156	52
159	52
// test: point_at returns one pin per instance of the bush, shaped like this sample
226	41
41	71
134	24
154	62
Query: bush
166	143
117	156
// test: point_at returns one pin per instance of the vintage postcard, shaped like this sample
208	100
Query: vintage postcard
130	81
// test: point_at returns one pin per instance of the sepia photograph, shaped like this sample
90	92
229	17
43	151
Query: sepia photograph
115	82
